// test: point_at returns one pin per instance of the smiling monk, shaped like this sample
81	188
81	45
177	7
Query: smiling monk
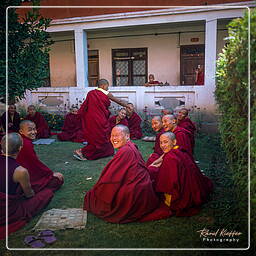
40	175
124	190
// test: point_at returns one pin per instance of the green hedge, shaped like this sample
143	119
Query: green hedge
232	98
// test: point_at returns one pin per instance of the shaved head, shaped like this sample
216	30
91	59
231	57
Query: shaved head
31	106
123	128
170	117
24	123
102	82
170	135
157	118
13	142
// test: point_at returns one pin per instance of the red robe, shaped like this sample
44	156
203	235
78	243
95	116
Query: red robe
20	209
43	130
112	122
187	124
157	149
40	175
95	115
134	123
184	139
124	190
180	177
72	129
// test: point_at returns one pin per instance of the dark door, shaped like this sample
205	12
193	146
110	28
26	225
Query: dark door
190	57
93	67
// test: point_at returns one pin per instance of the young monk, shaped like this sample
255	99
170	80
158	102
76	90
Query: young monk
40	175
182	186
13	119
72	128
184	137
157	126
124	190
134	123
120	118
23	201
95	115
43	130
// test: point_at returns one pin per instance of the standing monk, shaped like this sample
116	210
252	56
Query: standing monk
134	123
72	128
43	130
184	137
124	190
23	201
13	119
120	118
180	182
95	115
40	175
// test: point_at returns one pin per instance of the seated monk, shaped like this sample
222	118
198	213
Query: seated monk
124	190
185	122
152	81
134	122
180	182
40	175
23	201
13	119
157	126
120	118
166	111
72	128
184	137
43	130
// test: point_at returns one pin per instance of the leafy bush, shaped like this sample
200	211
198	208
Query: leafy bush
232	97
55	121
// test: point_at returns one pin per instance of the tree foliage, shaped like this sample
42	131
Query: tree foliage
232	94
28	47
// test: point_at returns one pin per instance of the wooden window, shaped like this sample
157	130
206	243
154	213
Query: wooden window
130	66
93	67
190	57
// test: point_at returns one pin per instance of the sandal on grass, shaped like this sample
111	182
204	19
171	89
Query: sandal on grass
78	155
47	236
34	242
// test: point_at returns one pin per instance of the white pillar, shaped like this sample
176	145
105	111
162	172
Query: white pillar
81	51
210	61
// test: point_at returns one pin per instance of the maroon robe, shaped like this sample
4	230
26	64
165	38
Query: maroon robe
20	209
134	123
15	122
187	124
180	177
124	190
112	122
157	149
43	130
72	129
40	175
95	115
184	139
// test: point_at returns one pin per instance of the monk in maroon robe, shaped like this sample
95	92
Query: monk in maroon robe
134	123
157	126
23	201
96	127
184	137
182	185
120	118
185	122
72	128
152	81
43	130
124	190
13	119
40	175
199	75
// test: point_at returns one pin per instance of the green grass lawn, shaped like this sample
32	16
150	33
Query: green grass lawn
175	232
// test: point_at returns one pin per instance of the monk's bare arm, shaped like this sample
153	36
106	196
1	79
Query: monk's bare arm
21	176
158	162
116	100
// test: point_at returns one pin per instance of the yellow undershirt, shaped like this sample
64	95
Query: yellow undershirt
102	90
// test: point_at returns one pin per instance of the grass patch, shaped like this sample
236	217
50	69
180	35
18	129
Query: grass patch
175	232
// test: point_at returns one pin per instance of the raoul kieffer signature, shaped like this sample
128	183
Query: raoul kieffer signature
224	233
